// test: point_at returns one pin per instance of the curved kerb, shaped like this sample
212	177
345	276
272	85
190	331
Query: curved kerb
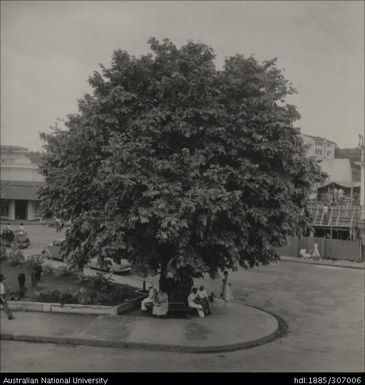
280	331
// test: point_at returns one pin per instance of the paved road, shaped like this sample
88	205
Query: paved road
323	306
39	236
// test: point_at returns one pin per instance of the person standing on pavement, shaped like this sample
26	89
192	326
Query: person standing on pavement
226	290
21	227
316	251
3	301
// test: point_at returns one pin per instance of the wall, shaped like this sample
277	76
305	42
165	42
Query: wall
31	210
328	248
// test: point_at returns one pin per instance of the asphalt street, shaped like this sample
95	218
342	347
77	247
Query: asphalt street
323	307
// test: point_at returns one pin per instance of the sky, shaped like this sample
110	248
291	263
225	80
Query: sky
49	49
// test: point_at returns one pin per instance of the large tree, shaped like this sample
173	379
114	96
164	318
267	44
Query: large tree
179	167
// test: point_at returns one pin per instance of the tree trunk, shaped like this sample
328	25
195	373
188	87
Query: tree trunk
163	277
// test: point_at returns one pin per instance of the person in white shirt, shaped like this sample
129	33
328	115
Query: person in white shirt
226	290
193	302
3	301
325	214
204	300
315	253
161	304
149	301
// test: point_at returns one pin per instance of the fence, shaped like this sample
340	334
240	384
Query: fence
328	248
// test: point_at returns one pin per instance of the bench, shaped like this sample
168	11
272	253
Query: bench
180	309
176	309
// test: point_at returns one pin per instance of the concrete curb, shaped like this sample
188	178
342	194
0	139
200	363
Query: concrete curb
77	308
280	331
49	307
291	259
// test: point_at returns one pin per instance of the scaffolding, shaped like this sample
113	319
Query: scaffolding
335	218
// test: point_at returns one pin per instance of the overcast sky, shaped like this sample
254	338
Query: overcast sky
48	50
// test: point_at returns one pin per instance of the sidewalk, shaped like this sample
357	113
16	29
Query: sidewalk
236	327
326	262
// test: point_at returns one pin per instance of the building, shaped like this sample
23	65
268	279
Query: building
20	182
338	170
319	148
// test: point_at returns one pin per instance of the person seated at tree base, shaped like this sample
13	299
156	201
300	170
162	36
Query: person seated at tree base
193	302
204	300
161	304
148	302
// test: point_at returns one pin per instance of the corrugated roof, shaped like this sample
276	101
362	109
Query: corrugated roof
7	148
20	190
338	170
343	184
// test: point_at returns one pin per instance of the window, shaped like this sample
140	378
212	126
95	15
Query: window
4	208
328	153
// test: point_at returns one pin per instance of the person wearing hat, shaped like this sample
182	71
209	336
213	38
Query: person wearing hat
3	301
149	301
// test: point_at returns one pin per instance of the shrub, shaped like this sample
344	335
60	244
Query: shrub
68	297
102	299
46	295
34	261
47	268
100	282
3	253
86	296
12	295
16	257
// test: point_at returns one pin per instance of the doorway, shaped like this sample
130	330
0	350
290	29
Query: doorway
21	208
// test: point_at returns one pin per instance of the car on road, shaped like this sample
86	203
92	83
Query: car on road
15	238
124	267
53	250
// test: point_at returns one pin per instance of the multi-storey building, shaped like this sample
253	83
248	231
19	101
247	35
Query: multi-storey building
319	148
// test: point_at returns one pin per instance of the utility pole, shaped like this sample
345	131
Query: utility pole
362	196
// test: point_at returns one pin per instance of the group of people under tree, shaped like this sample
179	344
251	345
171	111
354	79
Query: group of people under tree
197	299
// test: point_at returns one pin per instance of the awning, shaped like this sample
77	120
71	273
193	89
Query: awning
339	184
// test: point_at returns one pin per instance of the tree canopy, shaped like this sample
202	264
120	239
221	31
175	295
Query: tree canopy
179	166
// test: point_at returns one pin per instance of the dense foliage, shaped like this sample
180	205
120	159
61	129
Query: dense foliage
178	166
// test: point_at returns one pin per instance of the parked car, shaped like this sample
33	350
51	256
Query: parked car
110	266
15	238
53	250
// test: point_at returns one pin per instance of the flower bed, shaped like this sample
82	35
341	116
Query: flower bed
60	285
